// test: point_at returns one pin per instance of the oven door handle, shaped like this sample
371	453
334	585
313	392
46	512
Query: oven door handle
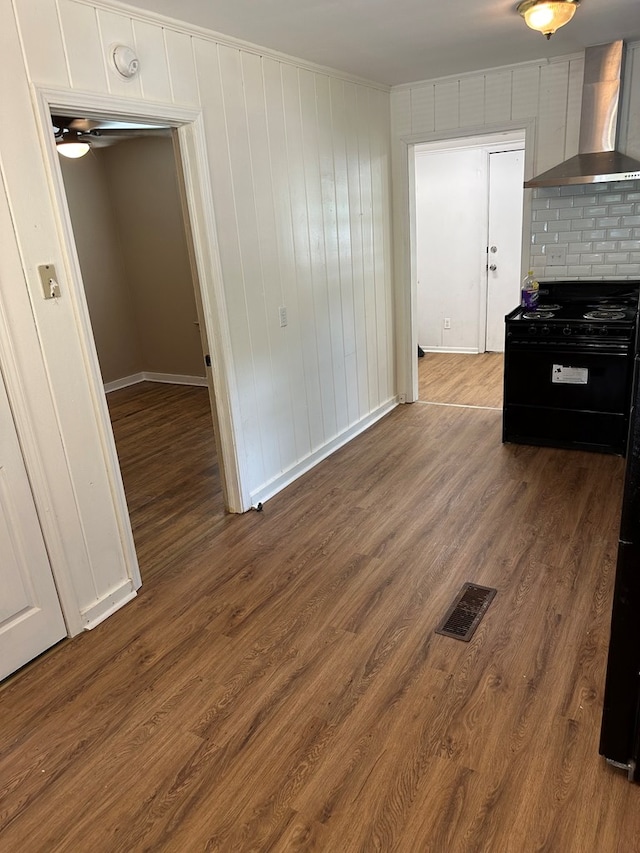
622	348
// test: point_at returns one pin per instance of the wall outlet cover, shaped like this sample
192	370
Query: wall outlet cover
557	257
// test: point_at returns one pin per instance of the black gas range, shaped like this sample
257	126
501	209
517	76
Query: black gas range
569	365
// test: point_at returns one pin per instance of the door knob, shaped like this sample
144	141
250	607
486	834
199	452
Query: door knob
494	248
493	267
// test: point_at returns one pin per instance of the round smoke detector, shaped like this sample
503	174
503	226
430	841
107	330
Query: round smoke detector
126	62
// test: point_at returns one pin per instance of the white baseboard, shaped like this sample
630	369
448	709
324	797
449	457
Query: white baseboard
469	350
145	376
116	384
108	604
268	490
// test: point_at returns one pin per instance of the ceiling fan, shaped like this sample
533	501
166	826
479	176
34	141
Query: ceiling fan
76	136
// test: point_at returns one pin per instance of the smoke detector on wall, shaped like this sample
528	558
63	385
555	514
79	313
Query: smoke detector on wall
125	61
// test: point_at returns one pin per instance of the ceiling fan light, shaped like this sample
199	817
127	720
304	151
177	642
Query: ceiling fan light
547	16
73	149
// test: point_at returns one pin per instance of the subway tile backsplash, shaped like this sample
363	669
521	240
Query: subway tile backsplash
597	224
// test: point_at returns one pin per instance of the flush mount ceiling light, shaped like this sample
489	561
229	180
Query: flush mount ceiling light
70	144
547	16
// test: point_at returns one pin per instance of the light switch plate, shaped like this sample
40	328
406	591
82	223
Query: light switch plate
49	281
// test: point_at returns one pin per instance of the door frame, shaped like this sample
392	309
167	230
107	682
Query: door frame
405	249
487	144
189	127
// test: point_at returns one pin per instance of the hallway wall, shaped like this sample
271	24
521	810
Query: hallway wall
127	221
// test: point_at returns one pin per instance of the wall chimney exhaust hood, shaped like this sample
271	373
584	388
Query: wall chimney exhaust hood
597	160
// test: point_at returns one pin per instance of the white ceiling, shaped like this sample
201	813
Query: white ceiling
400	41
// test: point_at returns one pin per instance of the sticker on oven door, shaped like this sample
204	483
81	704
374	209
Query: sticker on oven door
563	375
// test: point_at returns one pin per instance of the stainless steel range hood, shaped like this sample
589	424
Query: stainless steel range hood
597	160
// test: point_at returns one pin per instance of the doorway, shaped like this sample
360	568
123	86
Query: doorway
468	239
167	288
125	207
124	203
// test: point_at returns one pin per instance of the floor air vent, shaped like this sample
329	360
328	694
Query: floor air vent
464	615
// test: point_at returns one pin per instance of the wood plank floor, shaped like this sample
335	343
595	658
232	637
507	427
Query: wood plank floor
463	379
170	471
277	685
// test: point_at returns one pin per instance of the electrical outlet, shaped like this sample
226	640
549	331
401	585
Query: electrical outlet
282	312
447	322
557	257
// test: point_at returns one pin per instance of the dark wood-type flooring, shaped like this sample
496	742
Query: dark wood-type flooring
277	684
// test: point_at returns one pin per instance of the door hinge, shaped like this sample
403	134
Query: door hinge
207	360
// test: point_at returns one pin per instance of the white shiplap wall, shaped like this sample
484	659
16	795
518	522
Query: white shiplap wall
549	93
299	166
544	98
299	163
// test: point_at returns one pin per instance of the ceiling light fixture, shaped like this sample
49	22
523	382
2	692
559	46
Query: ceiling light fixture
547	16
69	144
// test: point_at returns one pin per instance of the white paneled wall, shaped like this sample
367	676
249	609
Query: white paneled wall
548	92
76	55
299	166
300	176
300	172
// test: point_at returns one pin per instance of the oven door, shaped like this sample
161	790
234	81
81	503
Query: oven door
568	395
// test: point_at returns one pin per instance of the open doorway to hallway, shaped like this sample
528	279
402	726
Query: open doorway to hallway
468	239
132	244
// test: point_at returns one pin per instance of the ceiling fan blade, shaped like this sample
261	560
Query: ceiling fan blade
102	133
99	138
81	125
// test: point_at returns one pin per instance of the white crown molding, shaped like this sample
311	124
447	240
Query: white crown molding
532	63
230	41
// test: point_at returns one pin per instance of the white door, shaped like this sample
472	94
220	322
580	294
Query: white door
506	176
30	615
451	232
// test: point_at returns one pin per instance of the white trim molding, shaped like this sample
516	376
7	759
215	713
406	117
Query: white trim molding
404	190
180	26
200	206
145	376
278	483
108	604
